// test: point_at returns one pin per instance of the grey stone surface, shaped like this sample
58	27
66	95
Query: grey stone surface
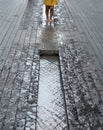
83	100
20	42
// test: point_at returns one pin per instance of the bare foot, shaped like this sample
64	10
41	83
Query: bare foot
50	20
47	20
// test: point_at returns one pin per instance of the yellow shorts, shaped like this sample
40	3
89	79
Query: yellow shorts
50	2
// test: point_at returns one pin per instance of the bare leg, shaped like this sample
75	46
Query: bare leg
51	12
47	12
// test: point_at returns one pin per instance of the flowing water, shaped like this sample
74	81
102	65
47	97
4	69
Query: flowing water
51	112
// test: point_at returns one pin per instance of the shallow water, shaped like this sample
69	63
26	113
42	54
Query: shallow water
51	112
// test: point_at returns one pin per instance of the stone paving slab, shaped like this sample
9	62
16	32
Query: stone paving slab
20	65
89	18
79	80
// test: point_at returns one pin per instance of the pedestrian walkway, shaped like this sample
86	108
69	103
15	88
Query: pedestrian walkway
24	36
89	18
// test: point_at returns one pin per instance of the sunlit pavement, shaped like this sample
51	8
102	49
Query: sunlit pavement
24	37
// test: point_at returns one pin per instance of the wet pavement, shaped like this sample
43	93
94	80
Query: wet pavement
24	38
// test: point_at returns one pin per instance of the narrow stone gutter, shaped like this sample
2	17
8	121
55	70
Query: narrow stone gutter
51	107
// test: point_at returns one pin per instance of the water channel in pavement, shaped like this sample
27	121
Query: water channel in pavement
51	111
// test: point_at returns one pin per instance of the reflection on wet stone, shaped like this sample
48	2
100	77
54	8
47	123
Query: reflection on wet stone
51	112
19	82
47	38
